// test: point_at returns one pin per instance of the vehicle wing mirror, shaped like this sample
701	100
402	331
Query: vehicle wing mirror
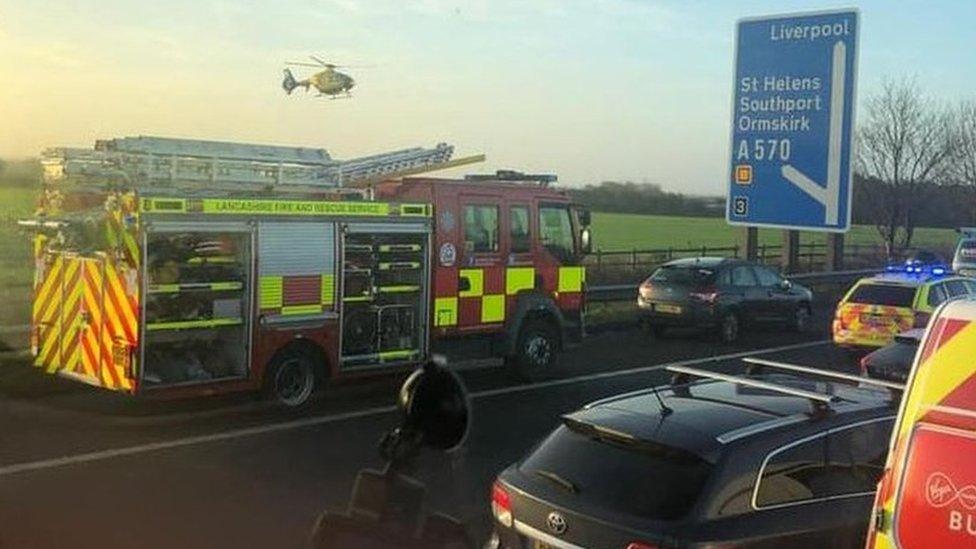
586	240
785	285
584	217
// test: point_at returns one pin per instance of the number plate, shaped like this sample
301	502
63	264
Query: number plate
874	320
669	309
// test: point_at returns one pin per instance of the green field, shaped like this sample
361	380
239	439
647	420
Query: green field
613	231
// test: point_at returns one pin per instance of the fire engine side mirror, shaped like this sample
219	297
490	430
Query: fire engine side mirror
586	240
435	404
584	217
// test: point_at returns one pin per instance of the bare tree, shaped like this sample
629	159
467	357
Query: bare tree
905	142
964	161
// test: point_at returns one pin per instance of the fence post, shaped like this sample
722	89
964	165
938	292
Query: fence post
835	252
704	251
633	259
762	252
599	258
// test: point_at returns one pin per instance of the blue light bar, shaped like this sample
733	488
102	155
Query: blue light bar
918	268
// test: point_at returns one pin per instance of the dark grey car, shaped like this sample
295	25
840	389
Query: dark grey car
703	464
723	293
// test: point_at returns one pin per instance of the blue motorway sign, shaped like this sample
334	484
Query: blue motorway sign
792	121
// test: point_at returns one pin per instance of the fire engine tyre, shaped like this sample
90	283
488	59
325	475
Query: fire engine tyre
728	328
290	379
535	351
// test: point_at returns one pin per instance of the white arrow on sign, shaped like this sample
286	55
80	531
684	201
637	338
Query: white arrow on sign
829	196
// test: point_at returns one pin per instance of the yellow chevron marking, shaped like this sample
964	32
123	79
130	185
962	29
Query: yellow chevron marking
115	286
946	368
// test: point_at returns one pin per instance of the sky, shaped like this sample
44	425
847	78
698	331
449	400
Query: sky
591	90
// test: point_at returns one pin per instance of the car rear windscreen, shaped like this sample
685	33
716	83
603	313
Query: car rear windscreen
661	485
684	275
967	251
883	294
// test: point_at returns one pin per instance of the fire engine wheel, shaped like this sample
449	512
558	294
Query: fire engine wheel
536	349
291	379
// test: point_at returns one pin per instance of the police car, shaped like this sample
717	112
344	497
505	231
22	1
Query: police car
878	307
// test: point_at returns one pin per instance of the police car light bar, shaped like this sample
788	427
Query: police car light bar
917	267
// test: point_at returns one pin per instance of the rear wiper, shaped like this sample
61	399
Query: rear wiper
549	475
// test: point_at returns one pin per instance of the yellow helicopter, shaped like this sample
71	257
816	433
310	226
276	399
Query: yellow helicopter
328	82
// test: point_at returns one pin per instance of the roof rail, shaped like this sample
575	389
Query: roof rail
824	373
542	179
818	399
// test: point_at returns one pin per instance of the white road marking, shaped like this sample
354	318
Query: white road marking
101	455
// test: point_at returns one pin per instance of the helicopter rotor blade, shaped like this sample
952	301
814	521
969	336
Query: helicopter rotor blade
319	61
296	63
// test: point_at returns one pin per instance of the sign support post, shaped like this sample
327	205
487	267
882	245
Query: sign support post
790	258
752	243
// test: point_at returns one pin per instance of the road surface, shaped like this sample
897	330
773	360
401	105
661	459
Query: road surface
81	469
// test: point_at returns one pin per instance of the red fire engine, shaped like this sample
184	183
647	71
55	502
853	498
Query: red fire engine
177	268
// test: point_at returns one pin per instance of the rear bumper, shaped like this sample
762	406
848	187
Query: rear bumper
851	339
692	314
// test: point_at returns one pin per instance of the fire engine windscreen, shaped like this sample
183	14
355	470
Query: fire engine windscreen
196	306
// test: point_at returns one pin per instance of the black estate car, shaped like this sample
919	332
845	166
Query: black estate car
764	460
711	292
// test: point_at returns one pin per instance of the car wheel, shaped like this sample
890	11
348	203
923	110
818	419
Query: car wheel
290	379
653	330
535	350
801	319
728	331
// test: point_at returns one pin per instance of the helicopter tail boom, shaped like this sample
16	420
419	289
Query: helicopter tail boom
289	83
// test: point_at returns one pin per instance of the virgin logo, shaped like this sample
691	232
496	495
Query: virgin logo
940	491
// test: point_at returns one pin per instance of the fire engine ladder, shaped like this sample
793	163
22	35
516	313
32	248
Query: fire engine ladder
214	167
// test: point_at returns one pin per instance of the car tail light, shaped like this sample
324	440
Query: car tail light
921	320
707	295
501	505
641	545
644	290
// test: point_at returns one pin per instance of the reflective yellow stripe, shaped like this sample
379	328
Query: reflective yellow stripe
270	292
445	311
315	308
356	299
176	288
518	279
492	308
182	324
398	289
163	205
476	279
397	355
328	289
419	210
393	248
291	207
570	279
